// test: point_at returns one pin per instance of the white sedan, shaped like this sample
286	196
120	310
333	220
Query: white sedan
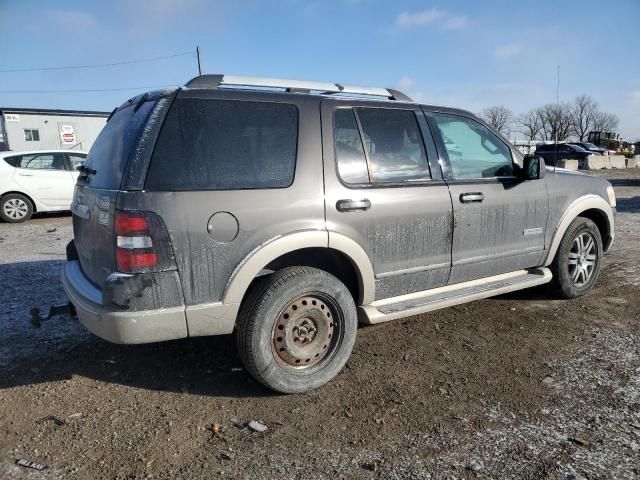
37	181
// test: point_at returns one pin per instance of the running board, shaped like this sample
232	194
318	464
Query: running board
429	300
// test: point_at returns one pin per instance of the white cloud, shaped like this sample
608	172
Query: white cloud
634	95
406	82
506	51
433	16
73	19
408	20
455	23
410	87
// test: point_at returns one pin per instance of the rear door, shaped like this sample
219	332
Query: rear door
75	160
95	196
44	176
500	220
384	189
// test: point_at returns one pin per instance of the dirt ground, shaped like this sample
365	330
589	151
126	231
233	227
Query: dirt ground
520	386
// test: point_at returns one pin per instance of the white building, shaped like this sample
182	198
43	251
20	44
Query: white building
38	129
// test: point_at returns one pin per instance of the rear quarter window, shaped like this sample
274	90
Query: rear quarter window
13	161
109	155
211	144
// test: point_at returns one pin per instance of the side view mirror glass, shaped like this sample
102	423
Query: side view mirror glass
533	167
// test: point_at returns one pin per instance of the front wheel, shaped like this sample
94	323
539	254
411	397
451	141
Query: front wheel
578	261
296	329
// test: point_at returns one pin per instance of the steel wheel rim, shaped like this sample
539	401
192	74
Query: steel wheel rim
15	208
583	259
304	332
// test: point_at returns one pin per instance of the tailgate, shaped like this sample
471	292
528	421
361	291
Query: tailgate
97	189
93	211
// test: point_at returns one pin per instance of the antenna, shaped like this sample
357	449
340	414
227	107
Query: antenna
555	140
198	57
558	88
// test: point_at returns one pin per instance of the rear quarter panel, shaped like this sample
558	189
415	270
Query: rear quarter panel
206	265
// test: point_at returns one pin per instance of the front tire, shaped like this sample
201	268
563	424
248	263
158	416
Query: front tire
15	208
296	329
578	261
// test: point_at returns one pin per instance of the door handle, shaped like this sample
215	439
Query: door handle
353	205
473	197
25	174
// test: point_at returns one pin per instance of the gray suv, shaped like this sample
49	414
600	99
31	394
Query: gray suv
287	212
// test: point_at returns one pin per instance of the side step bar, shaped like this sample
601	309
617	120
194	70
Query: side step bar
429	300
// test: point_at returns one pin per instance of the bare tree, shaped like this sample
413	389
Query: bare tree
530	124
499	117
584	112
556	121
605	122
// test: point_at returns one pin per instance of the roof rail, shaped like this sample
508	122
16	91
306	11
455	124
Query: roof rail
215	81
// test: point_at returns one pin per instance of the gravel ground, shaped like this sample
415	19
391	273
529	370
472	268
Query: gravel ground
519	386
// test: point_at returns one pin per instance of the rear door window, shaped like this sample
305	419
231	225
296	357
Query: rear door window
393	143
211	144
379	145
110	153
352	164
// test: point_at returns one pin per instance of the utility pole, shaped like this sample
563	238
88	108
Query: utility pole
198	56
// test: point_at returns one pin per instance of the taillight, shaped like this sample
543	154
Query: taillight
142	243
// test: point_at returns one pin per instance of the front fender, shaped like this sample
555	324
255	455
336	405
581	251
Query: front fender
580	205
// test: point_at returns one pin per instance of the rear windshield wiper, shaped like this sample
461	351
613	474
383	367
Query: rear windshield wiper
86	170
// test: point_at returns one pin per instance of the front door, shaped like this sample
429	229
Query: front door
500	220
384	189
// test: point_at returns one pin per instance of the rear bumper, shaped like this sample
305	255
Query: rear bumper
120	326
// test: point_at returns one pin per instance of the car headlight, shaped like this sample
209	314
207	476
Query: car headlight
612	196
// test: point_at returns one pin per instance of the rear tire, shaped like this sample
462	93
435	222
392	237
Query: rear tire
296	329
15	208
578	261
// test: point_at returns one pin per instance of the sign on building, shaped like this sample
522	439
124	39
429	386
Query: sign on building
67	135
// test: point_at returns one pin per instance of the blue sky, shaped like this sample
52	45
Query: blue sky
470	54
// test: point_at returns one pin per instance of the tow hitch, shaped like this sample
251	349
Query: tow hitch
66	310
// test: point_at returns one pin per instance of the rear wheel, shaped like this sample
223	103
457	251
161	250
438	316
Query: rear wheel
296	329
579	259
15	208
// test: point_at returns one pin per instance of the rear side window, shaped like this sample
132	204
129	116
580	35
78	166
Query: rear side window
378	145
210	144
110	153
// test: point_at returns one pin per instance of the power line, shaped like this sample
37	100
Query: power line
97	65
88	89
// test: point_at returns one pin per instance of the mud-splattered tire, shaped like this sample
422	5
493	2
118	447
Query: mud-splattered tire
578	261
15	208
296	329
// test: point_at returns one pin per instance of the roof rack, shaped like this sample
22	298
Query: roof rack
298	86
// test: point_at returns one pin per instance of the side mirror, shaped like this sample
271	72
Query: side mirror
533	168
